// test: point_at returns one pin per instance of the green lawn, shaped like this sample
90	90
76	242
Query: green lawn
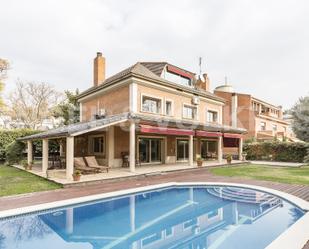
14	181
268	173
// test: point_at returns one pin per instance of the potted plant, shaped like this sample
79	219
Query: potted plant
76	175
199	160
229	158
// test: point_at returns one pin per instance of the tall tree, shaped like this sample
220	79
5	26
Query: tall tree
68	109
32	102
300	113
4	67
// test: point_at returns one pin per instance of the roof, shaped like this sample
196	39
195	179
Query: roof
148	71
78	128
84	127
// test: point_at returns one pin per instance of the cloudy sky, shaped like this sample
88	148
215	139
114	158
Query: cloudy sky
261	46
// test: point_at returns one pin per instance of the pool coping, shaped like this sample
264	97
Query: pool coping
295	237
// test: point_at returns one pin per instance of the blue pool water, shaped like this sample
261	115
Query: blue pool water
177	217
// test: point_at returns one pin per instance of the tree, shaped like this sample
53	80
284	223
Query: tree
300	113
32	102
4	67
69	108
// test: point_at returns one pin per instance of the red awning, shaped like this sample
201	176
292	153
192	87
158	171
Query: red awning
178	71
165	130
232	135
208	134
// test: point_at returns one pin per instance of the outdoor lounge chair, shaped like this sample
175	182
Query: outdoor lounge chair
80	164
92	163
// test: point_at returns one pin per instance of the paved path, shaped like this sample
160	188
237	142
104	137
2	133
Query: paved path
301	191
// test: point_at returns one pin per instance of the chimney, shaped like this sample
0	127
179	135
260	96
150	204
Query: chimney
203	83
98	69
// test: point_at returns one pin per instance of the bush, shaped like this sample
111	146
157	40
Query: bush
14	152
9	136
276	151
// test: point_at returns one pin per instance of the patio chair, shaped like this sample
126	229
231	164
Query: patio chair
80	164
92	163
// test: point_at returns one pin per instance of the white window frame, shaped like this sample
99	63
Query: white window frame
152	97
90	145
212	110
189	105
172	107
261	126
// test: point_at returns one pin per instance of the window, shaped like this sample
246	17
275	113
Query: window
168	108
150	104
212	116
96	144
263	126
177	79
189	112
274	127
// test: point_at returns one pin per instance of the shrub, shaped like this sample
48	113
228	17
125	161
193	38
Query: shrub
276	151
14	152
9	136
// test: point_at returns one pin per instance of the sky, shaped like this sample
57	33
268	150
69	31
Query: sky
262	47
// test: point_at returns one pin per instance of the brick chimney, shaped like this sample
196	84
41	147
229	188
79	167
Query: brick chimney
203	83
98	69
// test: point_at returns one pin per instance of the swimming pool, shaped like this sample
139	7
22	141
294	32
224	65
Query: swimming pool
180	217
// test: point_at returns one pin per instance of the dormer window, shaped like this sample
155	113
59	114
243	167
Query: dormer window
178	76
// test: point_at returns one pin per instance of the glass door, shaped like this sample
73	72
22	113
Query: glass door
182	150
209	149
150	150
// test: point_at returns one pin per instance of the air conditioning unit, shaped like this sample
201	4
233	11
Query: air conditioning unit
195	100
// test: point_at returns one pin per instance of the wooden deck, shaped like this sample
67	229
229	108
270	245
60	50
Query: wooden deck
203	174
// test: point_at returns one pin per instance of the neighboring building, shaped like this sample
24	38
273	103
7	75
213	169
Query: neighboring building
262	120
154	112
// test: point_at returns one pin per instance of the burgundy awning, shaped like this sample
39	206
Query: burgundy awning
178	71
165	130
208	134
232	135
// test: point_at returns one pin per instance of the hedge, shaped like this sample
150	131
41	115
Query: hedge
7	137
276	151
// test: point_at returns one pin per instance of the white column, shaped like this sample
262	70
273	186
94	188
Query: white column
61	149
69	157
111	146
234	110
132	146
220	154
45	156
29	151
191	150
69	221
240	148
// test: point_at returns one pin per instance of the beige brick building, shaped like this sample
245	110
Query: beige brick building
148	114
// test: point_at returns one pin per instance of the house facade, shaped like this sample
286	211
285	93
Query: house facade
152	112
262	120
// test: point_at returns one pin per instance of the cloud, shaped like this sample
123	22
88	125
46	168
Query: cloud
260	45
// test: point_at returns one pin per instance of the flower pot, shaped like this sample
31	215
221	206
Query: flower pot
76	178
199	163
30	167
229	160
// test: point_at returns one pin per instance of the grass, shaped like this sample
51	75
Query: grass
289	175
14	181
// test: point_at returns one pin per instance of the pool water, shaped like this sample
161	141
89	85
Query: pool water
176	217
